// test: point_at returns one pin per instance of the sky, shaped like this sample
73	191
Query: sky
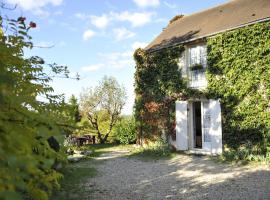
98	37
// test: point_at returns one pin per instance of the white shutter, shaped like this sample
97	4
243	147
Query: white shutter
181	125
216	127
182	64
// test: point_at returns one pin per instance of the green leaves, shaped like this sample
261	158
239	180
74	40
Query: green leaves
238	73
26	122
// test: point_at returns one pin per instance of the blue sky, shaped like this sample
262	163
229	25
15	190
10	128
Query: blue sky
98	37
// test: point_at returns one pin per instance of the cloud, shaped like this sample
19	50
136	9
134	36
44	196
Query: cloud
122	33
100	22
35	6
137	45
136	18
59	12
88	34
146	3
118	60
44	44
170	5
114	60
81	16
92	68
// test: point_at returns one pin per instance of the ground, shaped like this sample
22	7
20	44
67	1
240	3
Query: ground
120	176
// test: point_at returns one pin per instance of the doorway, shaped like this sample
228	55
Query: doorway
197	124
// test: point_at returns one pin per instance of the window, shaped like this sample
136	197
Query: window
197	55
197	63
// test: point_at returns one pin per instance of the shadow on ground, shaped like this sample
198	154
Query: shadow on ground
183	177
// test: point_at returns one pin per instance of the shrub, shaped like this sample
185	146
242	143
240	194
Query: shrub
125	131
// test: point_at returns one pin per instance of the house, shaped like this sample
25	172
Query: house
198	120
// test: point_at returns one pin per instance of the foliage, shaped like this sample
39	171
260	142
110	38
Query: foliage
26	157
125	131
71	185
74	109
175	18
196	67
155	151
103	104
239	74
158	83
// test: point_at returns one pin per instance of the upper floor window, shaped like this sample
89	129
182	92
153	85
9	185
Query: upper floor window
197	62
197	55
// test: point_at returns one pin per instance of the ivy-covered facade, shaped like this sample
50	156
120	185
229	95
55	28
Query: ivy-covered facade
209	93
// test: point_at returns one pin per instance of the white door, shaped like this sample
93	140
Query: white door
181	125
216	126
206	126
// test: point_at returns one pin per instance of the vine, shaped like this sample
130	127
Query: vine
238	73
158	83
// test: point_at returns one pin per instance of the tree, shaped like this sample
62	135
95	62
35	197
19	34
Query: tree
74	109
108	97
28	126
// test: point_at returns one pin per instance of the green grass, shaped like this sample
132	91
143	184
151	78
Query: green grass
72	187
152	153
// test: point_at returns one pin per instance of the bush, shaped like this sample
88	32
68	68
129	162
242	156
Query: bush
154	151
124	131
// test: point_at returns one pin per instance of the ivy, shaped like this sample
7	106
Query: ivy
239	74
158	84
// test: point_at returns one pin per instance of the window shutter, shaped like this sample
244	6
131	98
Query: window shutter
181	125
182	64
216	126
206	126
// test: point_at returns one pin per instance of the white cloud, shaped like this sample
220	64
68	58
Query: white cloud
59	12
114	60
34	5
146	3
170	5
136	18
122	33
100	22
92	68
81	16
137	45
88	34
44	44
118	60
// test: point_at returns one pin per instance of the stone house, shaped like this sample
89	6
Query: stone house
198	121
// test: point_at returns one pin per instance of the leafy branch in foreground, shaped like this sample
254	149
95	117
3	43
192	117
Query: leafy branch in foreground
27	125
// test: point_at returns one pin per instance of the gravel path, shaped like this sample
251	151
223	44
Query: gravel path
183	177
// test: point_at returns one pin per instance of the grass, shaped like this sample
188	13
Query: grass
153	152
75	174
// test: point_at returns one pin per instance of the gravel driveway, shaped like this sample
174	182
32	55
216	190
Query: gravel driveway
183	177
